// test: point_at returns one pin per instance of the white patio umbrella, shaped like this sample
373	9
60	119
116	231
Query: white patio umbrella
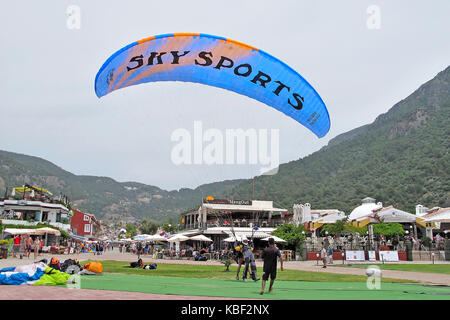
157	237
233	239
142	237
178	238
275	238
201	237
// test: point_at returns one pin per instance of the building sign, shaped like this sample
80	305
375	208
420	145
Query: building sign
226	201
355	255
389	256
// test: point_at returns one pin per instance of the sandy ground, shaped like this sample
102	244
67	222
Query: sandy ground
36	293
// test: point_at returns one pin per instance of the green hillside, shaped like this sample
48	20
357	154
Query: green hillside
102	196
401	159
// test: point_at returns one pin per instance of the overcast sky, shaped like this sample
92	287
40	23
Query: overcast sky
49	108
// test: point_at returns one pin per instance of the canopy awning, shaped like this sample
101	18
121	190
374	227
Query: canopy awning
20	231
42	231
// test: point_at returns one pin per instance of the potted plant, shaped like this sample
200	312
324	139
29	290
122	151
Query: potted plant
227	264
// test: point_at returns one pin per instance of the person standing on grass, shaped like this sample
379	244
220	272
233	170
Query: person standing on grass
323	252
270	255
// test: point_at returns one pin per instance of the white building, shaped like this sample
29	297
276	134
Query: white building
27	212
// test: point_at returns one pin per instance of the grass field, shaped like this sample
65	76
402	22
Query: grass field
430	268
217	272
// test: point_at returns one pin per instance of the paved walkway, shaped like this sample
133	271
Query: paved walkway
25	292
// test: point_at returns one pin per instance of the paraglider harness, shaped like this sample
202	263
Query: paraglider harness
54	263
238	255
139	264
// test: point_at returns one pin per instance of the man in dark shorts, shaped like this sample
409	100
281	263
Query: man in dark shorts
270	255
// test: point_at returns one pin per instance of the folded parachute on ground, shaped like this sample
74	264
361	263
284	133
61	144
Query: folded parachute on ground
24	274
219	62
52	277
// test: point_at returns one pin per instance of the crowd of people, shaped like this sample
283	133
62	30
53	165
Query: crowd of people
29	245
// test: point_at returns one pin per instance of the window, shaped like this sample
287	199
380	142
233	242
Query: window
87	228
86	217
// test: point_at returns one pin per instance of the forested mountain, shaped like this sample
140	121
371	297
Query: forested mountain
102	196
401	159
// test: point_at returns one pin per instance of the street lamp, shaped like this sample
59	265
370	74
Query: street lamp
432	255
317	256
343	257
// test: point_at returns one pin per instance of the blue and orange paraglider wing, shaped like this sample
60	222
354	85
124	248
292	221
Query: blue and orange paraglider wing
219	62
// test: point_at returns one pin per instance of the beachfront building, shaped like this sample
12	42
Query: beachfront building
31	212
239	213
314	219
437	220
84	224
220	219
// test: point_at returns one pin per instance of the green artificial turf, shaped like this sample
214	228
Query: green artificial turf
429	268
283	289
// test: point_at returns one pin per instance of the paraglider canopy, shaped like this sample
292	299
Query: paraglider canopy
219	62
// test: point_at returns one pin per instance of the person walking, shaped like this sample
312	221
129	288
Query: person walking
330	255
438	240
270	255
139	249
28	242
323	253
36	246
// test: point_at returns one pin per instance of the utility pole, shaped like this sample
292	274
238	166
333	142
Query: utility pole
253	188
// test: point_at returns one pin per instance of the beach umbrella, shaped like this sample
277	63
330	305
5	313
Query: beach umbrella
201	237
279	240
143	237
237	238
178	238
157	237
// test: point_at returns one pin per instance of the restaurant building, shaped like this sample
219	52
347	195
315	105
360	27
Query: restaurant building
219	219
